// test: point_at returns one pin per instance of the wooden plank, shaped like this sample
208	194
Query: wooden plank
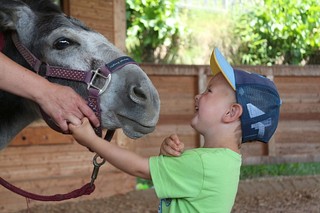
176	98
43	171
287	116
175	119
299	98
298	148
300	108
46	158
35	150
298	81
276	71
283	70
40	135
306	87
254	149
16	159
298	132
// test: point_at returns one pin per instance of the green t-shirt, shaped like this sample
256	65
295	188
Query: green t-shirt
200	180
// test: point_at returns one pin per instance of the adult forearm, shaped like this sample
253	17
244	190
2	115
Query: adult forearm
19	80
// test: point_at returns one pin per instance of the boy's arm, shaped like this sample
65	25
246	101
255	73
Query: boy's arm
122	159
172	146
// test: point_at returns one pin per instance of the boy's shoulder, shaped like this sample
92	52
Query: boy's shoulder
211	152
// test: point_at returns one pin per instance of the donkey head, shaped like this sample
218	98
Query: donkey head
130	101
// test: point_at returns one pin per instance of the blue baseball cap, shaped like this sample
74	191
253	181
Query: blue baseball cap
257	95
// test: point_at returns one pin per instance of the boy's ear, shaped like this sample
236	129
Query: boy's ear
234	112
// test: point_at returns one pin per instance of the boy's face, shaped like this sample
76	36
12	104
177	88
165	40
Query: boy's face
212	104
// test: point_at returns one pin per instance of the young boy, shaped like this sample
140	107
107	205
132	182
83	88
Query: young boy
236	107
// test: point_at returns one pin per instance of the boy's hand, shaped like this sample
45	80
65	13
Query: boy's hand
171	146
84	133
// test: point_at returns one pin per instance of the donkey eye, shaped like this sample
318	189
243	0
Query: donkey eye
62	43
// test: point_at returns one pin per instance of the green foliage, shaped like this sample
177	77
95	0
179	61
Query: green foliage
143	184
279	32
206	30
153	30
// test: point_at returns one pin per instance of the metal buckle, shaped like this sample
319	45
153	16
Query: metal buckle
96	167
96	73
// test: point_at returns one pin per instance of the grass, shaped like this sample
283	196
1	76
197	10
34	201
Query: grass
271	170
257	171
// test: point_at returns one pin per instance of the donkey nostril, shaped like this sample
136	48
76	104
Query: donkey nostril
138	94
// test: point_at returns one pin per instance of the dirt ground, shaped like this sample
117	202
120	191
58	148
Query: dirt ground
272	195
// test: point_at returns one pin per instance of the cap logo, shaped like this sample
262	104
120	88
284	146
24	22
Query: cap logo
254	111
261	126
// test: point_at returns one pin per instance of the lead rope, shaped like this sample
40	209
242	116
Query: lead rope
87	189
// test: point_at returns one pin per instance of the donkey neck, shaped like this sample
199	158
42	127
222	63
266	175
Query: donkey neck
16	114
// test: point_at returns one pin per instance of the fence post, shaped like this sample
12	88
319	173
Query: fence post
272	147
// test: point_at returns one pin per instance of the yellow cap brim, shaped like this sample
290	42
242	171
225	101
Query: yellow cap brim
219	64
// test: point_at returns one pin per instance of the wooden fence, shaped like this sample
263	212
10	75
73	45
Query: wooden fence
46	162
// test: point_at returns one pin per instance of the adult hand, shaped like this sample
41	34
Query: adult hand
172	146
61	103
65	106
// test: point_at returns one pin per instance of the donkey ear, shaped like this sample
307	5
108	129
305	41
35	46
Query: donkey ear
16	15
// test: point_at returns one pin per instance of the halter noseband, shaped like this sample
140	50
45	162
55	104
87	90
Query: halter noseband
89	77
